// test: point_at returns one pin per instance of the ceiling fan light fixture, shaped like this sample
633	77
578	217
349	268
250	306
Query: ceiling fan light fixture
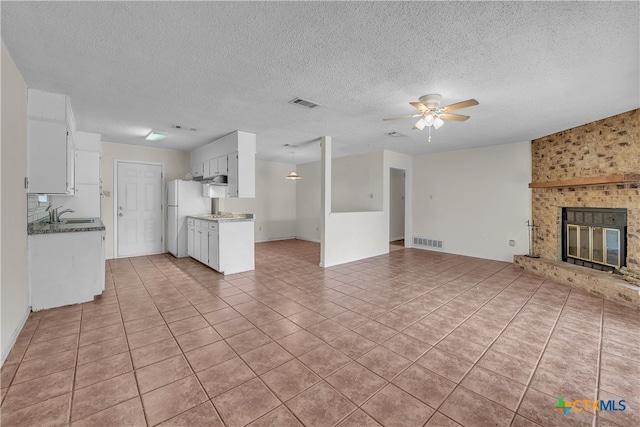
428	120
437	123
420	124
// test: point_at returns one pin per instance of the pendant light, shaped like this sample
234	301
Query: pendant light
293	174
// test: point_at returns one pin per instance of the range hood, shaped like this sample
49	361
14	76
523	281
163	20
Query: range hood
213	180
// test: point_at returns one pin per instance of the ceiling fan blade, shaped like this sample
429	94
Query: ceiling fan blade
451	116
419	106
459	105
404	117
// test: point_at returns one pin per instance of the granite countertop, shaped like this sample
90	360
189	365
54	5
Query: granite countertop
224	217
67	225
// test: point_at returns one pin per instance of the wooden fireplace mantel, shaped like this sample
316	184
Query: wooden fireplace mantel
593	180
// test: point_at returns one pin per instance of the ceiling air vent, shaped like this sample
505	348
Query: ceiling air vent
304	103
183	128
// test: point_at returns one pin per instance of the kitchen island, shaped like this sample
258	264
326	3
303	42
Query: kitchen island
222	241
67	262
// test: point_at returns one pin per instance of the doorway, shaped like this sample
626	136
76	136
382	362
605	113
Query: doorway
138	209
397	208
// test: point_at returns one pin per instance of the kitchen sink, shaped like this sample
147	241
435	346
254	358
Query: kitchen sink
79	221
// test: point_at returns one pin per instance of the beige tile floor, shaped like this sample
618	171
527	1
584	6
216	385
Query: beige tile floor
407	339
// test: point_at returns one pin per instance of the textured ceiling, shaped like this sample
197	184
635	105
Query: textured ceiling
535	67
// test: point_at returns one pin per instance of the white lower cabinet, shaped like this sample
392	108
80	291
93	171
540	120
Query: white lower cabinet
213	246
225	246
65	268
191	239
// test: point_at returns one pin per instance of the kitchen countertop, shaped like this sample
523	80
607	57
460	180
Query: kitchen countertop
44	227
224	217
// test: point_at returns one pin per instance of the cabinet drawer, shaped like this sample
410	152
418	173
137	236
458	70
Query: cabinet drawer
213	226
191	221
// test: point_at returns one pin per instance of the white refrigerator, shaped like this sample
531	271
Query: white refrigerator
183	198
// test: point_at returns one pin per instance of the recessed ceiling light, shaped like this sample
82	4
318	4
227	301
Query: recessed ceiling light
156	136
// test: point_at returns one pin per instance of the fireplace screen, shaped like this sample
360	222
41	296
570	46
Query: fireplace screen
595	237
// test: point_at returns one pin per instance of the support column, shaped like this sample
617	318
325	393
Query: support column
325	193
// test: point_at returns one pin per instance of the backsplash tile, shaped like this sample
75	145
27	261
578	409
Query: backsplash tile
36	209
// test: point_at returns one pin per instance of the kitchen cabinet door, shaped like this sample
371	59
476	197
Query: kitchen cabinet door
204	246
194	169
87	167
197	244
223	167
191	241
233	174
213	249
48	158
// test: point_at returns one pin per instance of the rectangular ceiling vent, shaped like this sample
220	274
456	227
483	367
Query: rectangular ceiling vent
183	128
304	103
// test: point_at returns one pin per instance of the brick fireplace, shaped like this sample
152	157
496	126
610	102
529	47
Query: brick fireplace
597	166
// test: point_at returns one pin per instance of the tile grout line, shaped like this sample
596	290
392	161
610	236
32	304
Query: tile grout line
441	339
540	356
458	384
599	364
181	354
210	399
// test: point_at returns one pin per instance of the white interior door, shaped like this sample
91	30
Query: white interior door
139	209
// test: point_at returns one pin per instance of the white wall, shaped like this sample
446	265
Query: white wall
357	183
396	205
358	187
308	202
474	200
350	236
274	206
176	166
14	285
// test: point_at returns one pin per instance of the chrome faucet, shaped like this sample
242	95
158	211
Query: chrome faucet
54	215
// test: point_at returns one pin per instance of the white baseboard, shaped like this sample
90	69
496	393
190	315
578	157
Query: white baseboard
273	239
15	334
307	240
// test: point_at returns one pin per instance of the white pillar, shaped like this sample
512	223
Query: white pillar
325	193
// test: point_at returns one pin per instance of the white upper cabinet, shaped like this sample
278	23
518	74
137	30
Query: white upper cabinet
47	106
47	157
87	167
233	155
86	200
51	143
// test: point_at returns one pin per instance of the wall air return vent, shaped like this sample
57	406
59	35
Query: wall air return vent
304	103
426	243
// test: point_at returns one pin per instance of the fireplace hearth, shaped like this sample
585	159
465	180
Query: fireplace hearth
594	237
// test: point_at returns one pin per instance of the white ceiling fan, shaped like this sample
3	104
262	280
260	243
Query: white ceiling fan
431	114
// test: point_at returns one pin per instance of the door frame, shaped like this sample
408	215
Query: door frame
163	207
404	204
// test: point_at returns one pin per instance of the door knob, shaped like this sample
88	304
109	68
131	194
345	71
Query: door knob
121	208
120	214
